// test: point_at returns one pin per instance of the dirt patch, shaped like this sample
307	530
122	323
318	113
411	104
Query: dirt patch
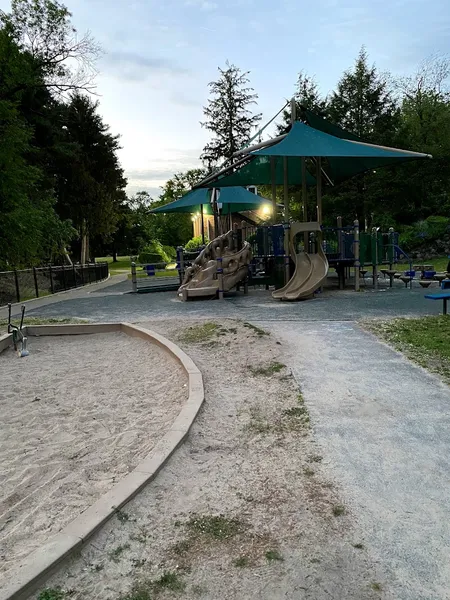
244	508
77	415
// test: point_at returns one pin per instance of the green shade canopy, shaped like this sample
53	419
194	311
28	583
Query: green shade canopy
258	172
232	199
344	157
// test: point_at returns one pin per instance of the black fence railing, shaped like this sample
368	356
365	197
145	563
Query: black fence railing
20	285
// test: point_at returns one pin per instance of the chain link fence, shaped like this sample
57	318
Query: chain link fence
17	286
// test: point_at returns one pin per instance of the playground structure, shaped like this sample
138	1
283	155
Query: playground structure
219	267
313	152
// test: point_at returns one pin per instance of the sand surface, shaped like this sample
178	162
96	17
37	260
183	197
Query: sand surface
76	416
252	459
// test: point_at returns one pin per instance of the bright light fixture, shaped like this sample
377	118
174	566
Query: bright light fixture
266	209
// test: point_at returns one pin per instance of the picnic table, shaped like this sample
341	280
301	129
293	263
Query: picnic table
444	296
423	267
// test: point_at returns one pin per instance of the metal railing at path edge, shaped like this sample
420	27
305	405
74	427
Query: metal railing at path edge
25	284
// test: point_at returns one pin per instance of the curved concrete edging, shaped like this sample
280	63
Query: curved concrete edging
29	574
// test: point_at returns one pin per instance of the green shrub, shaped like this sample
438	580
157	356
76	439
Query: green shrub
195	243
171	252
154	253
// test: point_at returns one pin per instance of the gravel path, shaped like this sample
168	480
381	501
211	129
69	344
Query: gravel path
77	415
244	509
383	424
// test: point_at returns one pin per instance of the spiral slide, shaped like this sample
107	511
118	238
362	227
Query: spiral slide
309	275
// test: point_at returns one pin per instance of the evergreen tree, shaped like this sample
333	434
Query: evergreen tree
307	95
364	104
228	115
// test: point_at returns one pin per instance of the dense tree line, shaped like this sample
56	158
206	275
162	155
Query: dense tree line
60	179
62	190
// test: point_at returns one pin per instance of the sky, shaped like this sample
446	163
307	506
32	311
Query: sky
159	57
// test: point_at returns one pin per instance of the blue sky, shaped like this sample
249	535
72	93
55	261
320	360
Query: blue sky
160	56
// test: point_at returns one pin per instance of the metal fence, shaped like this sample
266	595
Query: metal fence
17	286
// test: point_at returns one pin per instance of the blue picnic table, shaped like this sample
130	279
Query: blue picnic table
444	296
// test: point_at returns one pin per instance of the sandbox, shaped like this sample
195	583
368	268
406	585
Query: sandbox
78	414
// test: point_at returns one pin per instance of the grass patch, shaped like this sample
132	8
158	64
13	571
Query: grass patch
200	333
273	555
316	458
122	516
117	552
423	340
376	586
257	330
268	370
308	472
440	264
338	510
241	562
358	546
148	590
52	594
217	527
43	321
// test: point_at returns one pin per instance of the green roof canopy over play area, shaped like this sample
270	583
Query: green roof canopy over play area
232	199
343	156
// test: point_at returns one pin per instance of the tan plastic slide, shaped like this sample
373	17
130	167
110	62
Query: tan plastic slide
310	273
201	279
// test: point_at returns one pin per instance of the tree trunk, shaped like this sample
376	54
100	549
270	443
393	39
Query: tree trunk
114	254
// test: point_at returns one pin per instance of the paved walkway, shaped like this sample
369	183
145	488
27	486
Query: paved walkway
114	302
382	422
383	425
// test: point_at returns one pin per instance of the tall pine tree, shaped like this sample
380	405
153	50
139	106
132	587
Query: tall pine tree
363	103
228	115
307	95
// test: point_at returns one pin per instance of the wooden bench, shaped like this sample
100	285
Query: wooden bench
444	296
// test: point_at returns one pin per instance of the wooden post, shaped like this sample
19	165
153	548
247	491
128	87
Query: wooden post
356	253
286	220
219	272
215	213
133	277
273	175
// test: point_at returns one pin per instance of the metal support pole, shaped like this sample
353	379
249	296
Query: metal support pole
219	269
203	224
36	287
51	279
180	261
319	188
287	274
340	238
375	263
74	276
356	253
64	277
16	281
273	175
305	202
133	277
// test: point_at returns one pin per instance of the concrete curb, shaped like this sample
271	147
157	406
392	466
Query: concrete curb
31	572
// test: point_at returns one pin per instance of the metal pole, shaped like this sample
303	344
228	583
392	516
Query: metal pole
340	240
133	277
265	144
319	188
203	224
36	287
375	263
64	277
286	220
51	279
305	202
273	175
16	280
74	276
356	254
219	272
293	110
